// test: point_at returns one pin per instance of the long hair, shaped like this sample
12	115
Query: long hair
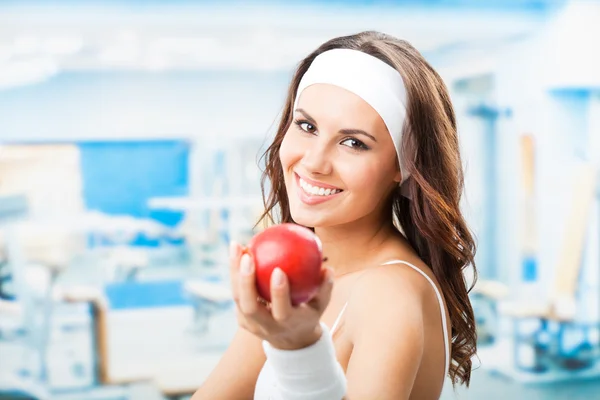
431	220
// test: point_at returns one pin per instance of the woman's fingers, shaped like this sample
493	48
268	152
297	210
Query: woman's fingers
248	295
252	314
281	305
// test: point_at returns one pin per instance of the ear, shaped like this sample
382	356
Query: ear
398	177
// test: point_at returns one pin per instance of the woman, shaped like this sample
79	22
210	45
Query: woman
367	154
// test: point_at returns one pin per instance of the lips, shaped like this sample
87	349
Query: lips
312	192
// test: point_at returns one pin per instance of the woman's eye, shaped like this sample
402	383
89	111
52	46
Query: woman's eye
355	144
307	127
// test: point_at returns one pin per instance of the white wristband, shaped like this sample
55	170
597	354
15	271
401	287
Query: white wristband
311	373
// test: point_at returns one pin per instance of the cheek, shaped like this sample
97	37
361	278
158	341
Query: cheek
370	179
289	152
362	179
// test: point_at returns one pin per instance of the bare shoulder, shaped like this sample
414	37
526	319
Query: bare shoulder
393	295
401	280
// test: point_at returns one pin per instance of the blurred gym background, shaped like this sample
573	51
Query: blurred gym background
130	135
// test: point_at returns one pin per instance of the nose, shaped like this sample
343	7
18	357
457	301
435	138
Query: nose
317	159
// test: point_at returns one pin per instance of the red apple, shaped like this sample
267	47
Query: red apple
297	251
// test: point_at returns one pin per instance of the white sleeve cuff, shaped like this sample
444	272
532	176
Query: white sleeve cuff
309	373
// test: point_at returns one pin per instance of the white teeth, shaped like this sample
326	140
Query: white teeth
317	191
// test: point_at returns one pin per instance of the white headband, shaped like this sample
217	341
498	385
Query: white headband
368	77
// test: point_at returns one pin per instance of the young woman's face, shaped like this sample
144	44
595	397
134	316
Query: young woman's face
338	159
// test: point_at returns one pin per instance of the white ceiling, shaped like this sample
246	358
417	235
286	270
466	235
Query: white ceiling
40	41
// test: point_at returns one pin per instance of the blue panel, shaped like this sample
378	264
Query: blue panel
149	294
128	295
530	268
119	177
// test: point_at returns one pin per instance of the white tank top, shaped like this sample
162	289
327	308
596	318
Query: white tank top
266	383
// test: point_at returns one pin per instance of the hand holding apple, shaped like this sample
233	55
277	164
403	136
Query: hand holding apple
297	251
281	265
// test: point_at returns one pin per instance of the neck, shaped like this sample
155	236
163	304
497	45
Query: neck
348	248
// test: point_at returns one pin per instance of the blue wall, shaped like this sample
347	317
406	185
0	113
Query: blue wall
119	177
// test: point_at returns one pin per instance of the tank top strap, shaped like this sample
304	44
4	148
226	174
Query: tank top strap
339	317
442	309
337	320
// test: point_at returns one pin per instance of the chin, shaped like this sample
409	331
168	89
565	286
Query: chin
316	219
305	218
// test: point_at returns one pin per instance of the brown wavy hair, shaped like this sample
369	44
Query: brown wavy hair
431	220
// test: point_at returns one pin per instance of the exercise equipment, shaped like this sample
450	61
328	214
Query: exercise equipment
559	313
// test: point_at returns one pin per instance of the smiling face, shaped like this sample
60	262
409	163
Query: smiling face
338	159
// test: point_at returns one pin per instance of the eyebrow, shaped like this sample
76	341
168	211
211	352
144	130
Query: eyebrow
343	131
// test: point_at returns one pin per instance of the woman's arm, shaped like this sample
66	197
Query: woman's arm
235	375
385	324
